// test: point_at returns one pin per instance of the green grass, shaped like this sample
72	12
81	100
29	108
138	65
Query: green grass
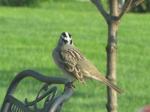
28	35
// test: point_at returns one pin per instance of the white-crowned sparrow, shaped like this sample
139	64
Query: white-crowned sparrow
74	64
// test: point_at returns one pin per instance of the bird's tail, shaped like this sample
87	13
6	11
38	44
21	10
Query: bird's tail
108	83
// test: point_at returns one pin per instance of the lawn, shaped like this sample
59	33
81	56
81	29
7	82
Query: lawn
28	36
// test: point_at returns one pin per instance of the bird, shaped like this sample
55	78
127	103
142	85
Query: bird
75	65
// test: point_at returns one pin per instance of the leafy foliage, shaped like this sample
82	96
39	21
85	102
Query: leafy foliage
144	7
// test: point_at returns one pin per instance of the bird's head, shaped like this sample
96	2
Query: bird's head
65	38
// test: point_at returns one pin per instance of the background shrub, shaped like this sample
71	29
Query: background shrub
31	2
19	2
144	7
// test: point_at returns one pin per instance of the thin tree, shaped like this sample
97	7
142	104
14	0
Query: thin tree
112	18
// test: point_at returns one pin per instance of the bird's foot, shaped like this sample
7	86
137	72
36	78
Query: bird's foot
70	85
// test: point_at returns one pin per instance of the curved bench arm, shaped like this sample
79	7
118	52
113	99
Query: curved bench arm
37	76
68	91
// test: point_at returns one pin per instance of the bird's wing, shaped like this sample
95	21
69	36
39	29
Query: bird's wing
70	58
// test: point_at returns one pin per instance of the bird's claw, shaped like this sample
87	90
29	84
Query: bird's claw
69	85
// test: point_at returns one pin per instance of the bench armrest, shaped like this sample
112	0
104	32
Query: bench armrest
55	104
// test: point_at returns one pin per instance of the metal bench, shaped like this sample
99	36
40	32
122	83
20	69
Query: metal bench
52	101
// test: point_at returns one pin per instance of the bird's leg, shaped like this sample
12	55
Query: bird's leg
82	81
69	85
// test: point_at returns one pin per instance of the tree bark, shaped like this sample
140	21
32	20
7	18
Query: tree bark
112	18
111	50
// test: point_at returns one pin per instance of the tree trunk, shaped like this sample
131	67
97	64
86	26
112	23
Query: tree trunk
111	66
112	18
111	50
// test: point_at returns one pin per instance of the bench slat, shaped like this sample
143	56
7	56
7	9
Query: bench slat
16	105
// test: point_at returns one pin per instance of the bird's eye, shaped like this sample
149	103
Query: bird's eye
63	34
70	41
65	41
69	35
